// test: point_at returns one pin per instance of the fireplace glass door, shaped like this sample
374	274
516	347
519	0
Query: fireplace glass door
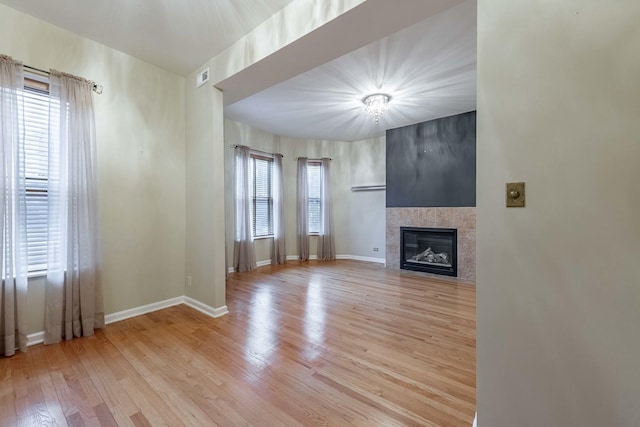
432	250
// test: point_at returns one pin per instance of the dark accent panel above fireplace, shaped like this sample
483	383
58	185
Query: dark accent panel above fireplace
433	164
432	250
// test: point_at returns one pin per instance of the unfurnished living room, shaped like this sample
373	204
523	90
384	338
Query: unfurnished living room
320	212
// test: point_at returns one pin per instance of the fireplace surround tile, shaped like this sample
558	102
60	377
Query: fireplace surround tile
463	219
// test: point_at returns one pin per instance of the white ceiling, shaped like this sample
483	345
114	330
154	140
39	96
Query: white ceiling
177	35
429	68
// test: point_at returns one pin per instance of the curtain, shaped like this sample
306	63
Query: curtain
302	206
74	305
13	289
278	252
326	242
244	257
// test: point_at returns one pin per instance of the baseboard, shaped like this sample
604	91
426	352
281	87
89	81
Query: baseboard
258	264
144	309
206	309
38	337
362	258
297	258
35	338
315	257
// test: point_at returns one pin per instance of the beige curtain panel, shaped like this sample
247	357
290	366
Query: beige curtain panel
326	241
302	206
244	257
278	250
13	263
74	304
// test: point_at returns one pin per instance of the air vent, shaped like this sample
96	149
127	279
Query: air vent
202	77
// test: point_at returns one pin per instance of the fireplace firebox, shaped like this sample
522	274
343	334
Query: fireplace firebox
432	250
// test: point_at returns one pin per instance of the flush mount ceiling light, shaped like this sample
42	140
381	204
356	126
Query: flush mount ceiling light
376	104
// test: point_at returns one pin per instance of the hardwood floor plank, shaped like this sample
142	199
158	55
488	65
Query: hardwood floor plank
306	344
104	415
139	420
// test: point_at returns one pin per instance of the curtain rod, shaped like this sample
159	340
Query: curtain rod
257	151
96	87
313	160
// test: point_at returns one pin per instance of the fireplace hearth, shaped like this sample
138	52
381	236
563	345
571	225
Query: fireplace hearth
431	250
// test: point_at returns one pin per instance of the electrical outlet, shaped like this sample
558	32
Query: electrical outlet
189	281
375	249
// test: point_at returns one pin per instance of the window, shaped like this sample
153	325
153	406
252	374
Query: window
315	197
262	196
36	149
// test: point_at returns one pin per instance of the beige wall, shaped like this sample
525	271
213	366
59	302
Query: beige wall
140	122
368	160
205	210
354	233
559	281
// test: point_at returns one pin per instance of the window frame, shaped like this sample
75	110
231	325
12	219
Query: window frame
37	85
318	164
254	157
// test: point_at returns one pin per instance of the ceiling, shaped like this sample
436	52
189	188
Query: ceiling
177	35
428	68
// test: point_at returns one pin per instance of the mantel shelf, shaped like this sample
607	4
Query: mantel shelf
369	188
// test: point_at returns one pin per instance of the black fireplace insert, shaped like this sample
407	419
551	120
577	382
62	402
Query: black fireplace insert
432	250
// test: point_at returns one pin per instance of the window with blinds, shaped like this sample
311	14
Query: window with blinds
262	197
315	197
36	150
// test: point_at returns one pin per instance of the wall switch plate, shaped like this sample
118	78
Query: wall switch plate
202	77
515	194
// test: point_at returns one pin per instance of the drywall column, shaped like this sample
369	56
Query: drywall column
205	243
558	281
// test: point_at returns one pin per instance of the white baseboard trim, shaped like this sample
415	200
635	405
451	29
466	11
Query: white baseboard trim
362	258
258	264
38	337
315	257
206	309
35	338
144	309
475	420
297	258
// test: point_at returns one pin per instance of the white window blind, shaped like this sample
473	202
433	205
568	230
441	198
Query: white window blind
262	197
315	196
36	149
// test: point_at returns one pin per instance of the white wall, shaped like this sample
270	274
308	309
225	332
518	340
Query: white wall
140	122
356	233
205	206
368	213
559	281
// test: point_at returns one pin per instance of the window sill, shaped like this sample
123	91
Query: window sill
263	237
34	274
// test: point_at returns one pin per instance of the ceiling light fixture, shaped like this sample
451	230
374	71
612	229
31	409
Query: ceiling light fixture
376	104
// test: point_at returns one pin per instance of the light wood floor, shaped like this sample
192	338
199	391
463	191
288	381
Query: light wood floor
339	343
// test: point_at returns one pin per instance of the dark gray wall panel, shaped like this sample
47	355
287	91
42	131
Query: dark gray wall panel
433	164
